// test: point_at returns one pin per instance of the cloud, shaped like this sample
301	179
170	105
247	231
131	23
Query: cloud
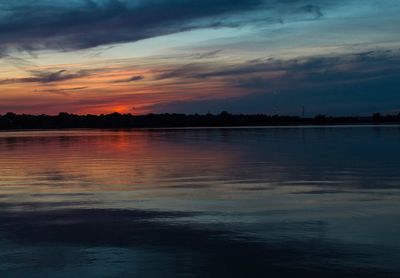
127	80
81	24
46	77
186	71
341	68
86	24
360	83
63	91
313	9
206	55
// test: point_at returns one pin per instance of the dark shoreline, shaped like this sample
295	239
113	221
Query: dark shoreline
11	121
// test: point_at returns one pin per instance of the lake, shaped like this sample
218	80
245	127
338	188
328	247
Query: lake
240	202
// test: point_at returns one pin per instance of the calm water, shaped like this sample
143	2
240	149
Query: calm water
269	202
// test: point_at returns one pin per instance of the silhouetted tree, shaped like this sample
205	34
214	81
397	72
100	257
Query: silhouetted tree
117	120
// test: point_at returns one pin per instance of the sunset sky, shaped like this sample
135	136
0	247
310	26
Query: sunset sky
337	57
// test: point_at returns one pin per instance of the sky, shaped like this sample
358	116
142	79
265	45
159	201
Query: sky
333	57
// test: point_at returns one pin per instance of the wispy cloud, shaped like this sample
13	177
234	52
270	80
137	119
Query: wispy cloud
341	68
206	55
337	84
63	91
46	77
128	80
312	45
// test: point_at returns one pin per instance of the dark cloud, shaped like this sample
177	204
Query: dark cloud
362	83
63	91
316	11
186	71
206	55
46	77
343	68
31	25
41	24
131	79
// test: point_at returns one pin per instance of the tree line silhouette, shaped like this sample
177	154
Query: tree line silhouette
224	119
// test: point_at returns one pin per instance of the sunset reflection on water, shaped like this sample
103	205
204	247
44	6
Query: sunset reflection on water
308	201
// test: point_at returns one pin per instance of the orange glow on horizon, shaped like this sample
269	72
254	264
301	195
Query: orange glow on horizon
107	88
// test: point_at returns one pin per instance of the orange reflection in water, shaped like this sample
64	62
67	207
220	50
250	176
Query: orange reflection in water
106	160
